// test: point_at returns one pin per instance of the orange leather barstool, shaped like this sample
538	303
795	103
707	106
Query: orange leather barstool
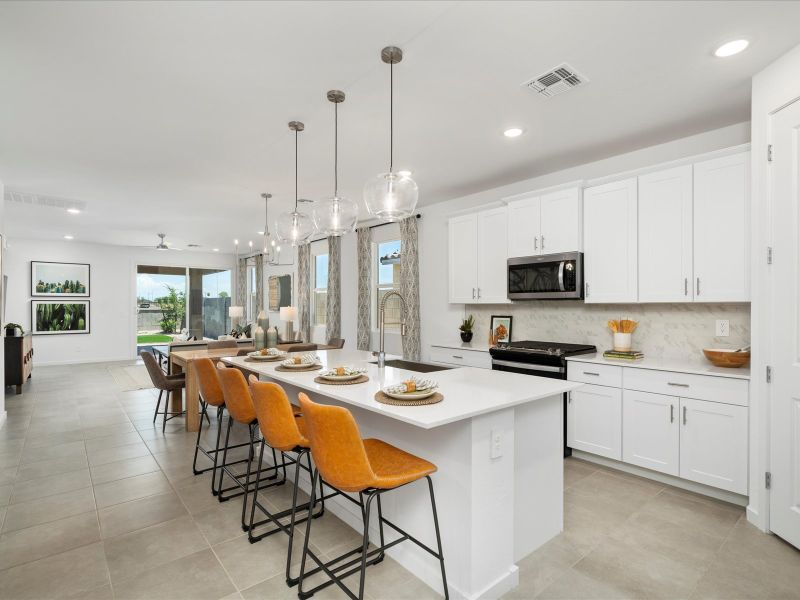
282	430
241	410
210	395
369	467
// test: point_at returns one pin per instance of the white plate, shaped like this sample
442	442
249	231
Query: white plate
410	395
266	357
300	366
341	377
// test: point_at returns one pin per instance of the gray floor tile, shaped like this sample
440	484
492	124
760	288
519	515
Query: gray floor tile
138	514
51	467
131	488
123	468
25	491
49	508
101	456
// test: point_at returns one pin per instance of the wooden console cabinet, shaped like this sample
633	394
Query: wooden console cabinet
19	360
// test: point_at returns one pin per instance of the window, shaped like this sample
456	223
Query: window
251	309
387	280
319	309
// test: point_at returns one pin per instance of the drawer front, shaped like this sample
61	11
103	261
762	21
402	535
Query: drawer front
461	357
685	385
607	375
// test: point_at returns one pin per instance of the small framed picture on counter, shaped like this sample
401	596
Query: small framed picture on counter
501	329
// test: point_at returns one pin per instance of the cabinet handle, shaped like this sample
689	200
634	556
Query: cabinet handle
542	242
473	293
479	293
456	356
671	413
569	398
536	242
590	373
586	285
684	415
672	383
698	286
685	286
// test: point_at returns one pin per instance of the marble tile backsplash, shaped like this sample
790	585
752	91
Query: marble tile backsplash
673	331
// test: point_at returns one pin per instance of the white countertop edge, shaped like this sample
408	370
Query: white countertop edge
663	364
461	346
305	381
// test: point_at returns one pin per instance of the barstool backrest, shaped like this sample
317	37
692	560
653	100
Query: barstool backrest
222	344
208	381
157	376
275	415
236	394
336	446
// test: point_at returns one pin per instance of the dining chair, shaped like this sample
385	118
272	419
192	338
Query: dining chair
222	344
302	348
164	383
336	343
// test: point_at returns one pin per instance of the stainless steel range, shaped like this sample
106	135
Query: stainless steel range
543	359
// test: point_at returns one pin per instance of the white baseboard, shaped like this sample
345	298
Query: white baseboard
58	363
677	482
3	416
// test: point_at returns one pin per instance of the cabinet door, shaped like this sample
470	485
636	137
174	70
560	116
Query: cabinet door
609	242
722	229
665	236
523	227
493	256
714	444
463	258
594	420
561	221
650	432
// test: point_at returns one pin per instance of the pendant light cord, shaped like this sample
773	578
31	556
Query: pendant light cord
295	170
391	115
336	150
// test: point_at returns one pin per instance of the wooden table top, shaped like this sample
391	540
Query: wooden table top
187	355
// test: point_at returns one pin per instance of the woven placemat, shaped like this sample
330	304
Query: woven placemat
261	360
384	399
311	368
362	379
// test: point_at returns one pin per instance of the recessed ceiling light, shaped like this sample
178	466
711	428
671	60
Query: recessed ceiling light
731	48
216	249
74	211
513	132
69	237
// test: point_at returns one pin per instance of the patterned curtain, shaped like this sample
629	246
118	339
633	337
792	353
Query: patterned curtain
409	286
333	308
364	287
304	290
241	283
259	284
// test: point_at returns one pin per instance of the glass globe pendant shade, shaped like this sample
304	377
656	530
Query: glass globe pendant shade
335	216
391	196
294	228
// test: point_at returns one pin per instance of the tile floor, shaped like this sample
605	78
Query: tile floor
96	503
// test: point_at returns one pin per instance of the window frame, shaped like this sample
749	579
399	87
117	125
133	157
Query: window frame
318	248
383	235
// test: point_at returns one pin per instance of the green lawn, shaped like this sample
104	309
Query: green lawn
153	339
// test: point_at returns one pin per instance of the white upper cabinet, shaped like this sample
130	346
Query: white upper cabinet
492	256
560	221
524	223
463	257
722	229
478	251
546	223
609	240
665	236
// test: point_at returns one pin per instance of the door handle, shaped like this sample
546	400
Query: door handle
671	413
536	242
684	415
698	286
586	285
542	242
685	286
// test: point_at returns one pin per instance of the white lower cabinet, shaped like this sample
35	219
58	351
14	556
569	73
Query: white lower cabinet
594	420
714	444
650	435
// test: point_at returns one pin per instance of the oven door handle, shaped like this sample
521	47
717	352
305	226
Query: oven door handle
527	367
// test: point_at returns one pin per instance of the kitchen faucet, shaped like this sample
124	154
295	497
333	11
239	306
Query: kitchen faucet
382	325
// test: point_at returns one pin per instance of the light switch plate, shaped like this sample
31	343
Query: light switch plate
723	328
496	444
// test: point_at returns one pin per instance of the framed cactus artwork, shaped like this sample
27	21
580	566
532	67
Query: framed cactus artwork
59	279
50	318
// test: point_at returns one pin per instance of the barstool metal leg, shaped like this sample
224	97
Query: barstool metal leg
158	405
365	545
197	444
251	454
438	537
216	450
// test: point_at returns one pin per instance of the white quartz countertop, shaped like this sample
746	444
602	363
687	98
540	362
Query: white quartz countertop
695	367
467	391
463	346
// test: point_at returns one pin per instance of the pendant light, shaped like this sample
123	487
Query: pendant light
271	248
391	196
335	216
294	227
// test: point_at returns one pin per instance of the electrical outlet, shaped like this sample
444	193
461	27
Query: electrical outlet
723	328
496	444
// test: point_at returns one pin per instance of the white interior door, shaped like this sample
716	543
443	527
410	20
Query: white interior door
665	236
785	276
463	258
561	216
650	433
523	227
493	256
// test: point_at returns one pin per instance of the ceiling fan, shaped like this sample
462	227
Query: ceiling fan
163	245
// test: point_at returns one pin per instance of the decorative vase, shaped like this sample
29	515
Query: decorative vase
263	321
466	336
260	337
272	337
622	342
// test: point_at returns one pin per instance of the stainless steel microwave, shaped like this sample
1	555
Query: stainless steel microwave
546	277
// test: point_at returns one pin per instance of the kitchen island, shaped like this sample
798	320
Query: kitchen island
497	441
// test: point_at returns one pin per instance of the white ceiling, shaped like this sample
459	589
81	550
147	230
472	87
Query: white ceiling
172	116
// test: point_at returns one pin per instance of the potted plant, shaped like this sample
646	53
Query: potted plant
13	330
466	329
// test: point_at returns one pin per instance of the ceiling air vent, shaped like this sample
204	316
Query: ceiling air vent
556	81
42	200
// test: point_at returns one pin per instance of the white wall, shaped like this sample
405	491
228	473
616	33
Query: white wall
439	319
113	295
2	322
773	88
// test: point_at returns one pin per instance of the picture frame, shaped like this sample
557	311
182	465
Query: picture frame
61	280
60	318
279	291
500	324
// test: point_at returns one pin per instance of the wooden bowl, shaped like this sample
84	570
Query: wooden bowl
726	358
